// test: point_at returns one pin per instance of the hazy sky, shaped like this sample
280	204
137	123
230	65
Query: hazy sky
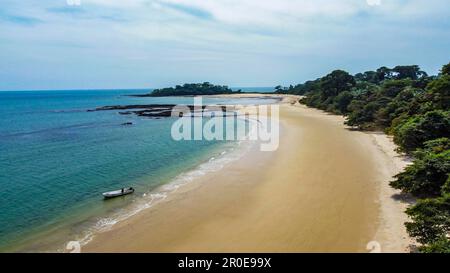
54	44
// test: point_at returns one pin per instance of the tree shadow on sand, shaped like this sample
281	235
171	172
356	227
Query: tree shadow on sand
404	198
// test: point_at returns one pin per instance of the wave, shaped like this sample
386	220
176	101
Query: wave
151	198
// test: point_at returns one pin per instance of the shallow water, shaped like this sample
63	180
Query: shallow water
56	159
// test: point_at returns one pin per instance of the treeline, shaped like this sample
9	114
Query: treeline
192	89
413	107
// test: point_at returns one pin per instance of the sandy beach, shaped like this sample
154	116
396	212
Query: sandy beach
324	190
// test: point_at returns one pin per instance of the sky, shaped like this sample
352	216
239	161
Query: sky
95	44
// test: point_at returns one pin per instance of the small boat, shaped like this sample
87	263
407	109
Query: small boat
117	193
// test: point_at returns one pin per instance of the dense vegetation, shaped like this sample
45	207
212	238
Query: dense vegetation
413	107
192	89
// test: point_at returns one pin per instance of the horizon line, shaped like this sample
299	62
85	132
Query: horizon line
111	89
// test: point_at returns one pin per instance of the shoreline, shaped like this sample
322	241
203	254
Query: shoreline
244	207
55	237
94	226
393	203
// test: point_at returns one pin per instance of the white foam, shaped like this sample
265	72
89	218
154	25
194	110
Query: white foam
155	196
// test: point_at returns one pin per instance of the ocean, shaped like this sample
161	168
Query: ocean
56	159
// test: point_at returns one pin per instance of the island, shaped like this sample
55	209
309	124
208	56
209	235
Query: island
190	89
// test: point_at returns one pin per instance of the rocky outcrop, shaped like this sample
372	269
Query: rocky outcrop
158	110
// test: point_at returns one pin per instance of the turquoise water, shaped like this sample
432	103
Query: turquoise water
255	89
56	159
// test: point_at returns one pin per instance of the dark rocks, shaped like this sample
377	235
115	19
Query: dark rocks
158	110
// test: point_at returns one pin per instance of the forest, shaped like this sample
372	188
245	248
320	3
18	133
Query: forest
192	89
414	108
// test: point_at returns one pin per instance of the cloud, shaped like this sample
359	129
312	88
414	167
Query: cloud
15	17
373	2
20	20
67	9
234	41
190	10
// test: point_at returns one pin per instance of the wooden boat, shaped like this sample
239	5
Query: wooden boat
117	193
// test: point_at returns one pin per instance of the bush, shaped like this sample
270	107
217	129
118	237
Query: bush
431	220
413	132
429	173
446	69
440	246
342	101
446	187
438	94
362	114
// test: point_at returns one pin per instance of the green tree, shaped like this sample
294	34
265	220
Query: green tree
362	113
437	94
409	71
368	76
446	187
395	110
392	88
446	69
191	89
278	89
384	73
429	173
441	245
342	101
430	220
412	133
336	82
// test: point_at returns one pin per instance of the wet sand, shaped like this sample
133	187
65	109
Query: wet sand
324	190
